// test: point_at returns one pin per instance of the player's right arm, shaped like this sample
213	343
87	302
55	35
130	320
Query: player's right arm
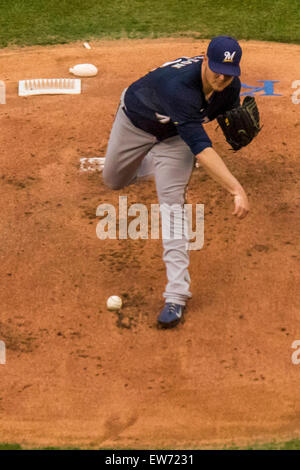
216	168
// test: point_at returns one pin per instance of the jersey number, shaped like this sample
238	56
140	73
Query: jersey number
182	62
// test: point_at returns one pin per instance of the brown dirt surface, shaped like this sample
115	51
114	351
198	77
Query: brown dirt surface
78	375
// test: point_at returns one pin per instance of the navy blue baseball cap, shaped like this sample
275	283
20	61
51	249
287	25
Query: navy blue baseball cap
224	54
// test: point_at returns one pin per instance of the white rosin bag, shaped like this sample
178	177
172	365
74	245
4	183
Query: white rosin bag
84	70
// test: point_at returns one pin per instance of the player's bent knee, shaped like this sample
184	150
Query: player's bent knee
110	183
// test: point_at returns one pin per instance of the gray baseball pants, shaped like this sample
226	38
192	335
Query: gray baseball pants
132	153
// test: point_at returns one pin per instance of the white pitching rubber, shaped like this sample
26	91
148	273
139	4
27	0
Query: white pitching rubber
50	86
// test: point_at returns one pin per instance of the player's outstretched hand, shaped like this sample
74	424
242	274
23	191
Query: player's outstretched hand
241	205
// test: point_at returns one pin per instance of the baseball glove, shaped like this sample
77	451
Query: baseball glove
240	125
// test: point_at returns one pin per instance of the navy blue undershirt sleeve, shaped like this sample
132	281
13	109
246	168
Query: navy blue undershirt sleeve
184	111
195	136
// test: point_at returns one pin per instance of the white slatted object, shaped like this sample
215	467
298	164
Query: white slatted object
50	86
92	164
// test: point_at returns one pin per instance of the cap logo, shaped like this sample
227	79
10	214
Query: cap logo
229	57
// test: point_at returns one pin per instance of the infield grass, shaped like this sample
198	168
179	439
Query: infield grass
36	22
293	444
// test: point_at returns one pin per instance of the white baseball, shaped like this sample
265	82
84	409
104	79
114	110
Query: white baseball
114	303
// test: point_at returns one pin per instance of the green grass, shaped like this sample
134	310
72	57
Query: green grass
10	447
32	22
289	445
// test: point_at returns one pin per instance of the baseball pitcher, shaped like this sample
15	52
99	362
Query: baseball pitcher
159	129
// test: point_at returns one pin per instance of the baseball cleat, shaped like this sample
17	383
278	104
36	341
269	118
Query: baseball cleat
170	315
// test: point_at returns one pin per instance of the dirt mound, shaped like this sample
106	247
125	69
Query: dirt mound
77	374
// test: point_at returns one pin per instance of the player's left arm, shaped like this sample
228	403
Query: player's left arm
240	123
231	96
